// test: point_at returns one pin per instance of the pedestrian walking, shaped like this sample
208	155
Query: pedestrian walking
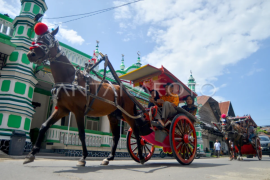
217	148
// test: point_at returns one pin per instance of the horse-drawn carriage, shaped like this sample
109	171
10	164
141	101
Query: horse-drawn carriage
76	91
179	135
246	147
238	135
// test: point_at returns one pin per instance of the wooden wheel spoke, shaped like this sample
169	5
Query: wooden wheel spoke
144	151
148	149
133	143
182	151
189	133
188	151
178	139
179	145
149	143
191	144
180	130
185	127
132	137
135	148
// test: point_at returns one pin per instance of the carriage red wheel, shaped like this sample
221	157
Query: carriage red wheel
183	139
258	149
147	148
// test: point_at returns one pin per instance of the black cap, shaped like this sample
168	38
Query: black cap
167	84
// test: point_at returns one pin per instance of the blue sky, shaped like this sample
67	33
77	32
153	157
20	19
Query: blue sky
224	43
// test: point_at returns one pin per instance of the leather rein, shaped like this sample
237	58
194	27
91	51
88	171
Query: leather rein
86	73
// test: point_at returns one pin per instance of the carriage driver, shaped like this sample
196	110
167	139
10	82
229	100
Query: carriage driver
168	102
251	132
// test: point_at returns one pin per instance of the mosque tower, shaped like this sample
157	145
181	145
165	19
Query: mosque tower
191	82
191	85
122	66
17	77
139	64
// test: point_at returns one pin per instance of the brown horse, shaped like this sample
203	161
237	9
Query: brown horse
233	132
47	48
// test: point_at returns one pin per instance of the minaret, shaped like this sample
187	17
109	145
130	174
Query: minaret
96	51
191	82
17	77
191	85
122	66
138	64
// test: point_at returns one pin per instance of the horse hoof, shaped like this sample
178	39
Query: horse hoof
81	163
105	162
142	161
29	159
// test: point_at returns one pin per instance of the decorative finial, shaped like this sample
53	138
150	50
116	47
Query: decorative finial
97	42
190	72
138	64
123	56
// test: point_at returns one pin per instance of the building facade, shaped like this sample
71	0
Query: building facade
25	97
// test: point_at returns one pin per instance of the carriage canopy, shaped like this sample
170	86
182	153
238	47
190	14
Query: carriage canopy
155	78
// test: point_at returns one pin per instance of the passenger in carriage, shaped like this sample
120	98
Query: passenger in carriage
153	99
168	102
251	133
190	107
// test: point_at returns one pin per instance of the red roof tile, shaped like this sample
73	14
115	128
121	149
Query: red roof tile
202	99
224	107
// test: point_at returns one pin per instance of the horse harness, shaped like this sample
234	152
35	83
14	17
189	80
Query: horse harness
74	85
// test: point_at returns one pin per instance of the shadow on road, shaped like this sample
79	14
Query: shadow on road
138	168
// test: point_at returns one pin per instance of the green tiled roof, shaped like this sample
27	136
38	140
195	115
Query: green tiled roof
6	40
6	18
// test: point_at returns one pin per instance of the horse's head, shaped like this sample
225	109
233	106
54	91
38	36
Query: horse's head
226	124
45	47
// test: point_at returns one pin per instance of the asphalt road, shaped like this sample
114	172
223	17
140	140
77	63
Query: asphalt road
165	169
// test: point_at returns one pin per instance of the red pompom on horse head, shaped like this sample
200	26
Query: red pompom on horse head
40	28
223	116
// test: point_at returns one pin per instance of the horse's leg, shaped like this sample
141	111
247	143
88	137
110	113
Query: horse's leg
57	114
135	129
240	146
239	152
236	143
80	123
234	151
137	136
115	136
229	149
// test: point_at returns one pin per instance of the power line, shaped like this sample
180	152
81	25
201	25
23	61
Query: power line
91	13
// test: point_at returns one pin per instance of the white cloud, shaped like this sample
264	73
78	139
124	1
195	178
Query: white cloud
122	12
65	33
254	71
122	25
200	35
71	36
13	7
10	7
126	39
